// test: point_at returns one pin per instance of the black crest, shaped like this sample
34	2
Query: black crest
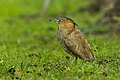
68	19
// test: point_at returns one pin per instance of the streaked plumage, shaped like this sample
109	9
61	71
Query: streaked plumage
72	39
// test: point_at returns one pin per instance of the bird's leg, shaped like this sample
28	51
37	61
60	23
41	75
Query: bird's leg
72	59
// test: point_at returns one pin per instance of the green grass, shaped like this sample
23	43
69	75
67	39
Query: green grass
29	45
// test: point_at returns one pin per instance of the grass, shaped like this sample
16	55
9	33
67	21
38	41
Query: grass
28	45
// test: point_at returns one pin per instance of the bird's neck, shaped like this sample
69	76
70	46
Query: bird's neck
66	31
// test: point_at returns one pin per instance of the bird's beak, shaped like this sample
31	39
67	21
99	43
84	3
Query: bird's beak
54	20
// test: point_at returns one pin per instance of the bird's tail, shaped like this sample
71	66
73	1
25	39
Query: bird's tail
89	56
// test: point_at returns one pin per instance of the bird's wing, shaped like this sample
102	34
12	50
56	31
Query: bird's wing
78	45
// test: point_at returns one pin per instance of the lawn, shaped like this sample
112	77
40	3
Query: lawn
29	49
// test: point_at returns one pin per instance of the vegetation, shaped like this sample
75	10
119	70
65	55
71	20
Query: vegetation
29	49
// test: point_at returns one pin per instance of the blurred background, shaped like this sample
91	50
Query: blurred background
26	21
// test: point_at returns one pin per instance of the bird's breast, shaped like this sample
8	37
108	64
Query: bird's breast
62	37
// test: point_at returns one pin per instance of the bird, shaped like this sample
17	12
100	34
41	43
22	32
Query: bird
72	39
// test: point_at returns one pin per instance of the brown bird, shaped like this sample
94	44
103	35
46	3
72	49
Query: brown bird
72	39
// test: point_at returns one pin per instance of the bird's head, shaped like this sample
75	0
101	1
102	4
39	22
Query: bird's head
65	22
